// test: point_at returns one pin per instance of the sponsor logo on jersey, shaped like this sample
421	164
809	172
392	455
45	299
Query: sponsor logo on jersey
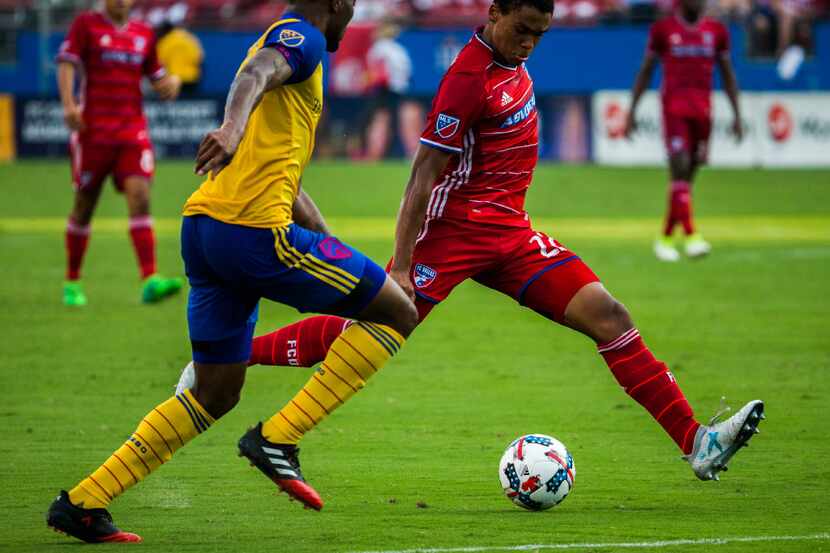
523	113
423	275
291	38
506	98
780	123
446	126
117	56
693	51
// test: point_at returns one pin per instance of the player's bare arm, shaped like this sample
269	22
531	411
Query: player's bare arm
167	87
730	85
640	85
427	166
307	215
66	84
266	71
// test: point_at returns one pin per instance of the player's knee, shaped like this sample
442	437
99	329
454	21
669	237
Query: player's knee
406	318
614	321
217	402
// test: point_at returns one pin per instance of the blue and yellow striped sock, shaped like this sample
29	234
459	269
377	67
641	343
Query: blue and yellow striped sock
164	430
358	353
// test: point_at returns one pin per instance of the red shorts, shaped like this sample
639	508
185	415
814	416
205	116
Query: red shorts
687	134
532	268
93	161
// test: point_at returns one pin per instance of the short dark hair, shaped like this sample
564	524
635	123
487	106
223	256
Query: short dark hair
506	6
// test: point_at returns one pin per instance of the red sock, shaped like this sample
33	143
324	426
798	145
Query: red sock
77	239
652	385
680	208
302	344
144	242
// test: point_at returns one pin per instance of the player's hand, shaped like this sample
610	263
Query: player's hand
737	129
401	277
216	150
73	118
168	88
630	125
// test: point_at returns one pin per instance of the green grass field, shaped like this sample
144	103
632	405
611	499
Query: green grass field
748	322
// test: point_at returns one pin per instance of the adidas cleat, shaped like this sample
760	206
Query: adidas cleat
664	250
89	525
696	247
73	294
718	442
280	463
157	288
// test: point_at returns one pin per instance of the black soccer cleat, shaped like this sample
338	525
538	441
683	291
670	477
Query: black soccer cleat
280	463
89	525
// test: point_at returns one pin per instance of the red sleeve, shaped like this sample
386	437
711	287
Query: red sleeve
74	44
456	108
722	46
152	67
656	40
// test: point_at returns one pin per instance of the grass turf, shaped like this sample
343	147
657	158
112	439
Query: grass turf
750	321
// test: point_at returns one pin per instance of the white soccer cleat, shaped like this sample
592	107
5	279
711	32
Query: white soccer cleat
696	246
187	380
665	251
716	443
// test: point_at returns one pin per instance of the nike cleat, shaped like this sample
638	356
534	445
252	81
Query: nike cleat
157	288
695	246
73	294
718	442
89	525
280	463
664	250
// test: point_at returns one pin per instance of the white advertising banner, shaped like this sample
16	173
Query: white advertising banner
783	129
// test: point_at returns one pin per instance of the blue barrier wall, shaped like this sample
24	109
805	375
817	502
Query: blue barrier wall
568	60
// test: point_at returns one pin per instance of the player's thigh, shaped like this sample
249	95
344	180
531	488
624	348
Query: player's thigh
678	135
539	273
221	313
136	162
701	132
92	161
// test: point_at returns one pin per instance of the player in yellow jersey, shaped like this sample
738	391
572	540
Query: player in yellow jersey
248	233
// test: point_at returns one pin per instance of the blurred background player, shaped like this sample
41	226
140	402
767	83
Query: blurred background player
390	70
179	50
689	45
111	54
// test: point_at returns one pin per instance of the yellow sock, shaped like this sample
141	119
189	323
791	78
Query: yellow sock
358	353
164	430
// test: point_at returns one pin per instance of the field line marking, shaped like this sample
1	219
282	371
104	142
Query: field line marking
619	545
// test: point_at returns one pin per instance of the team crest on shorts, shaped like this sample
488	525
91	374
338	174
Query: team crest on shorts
446	125
334	249
423	275
291	38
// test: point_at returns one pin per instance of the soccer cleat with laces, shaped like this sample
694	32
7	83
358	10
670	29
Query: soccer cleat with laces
279	462
73	294
696	246
89	525
664	250
157	288
718	442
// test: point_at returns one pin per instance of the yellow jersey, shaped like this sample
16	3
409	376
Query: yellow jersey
180	52
258	187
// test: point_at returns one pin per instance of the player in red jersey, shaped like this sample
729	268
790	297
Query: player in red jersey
463	217
109	133
689	46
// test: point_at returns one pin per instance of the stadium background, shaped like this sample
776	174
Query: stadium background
780	49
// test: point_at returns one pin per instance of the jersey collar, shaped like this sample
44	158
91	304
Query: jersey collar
478	36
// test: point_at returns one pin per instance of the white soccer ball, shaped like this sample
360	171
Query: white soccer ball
537	472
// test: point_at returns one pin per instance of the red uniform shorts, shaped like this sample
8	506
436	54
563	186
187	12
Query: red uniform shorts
93	161
687	134
527	265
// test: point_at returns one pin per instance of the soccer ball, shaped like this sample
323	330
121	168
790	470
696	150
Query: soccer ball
537	472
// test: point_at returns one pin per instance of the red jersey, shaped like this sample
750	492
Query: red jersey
688	53
114	59
486	113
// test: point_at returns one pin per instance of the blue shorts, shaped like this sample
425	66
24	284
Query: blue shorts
230	267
